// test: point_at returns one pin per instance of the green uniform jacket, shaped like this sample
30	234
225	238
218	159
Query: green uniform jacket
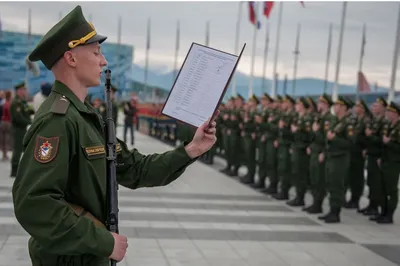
341	143
65	160
20	113
319	137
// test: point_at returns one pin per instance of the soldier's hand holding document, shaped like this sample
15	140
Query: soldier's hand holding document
200	84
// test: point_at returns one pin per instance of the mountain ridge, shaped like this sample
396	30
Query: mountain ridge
304	86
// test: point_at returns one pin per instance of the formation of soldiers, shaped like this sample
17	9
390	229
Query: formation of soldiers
302	144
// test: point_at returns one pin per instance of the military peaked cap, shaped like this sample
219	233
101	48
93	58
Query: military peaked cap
394	107
342	101
267	97
254	98
325	98
303	101
289	99
381	101
278	98
240	97
19	86
312	103
73	30
350	102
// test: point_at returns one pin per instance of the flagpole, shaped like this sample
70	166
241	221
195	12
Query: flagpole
176	50
328	58
360	63
119	50
265	56
395	59
233	92
278	34
296	53
339	54
28	46
147	54
253	54
207	33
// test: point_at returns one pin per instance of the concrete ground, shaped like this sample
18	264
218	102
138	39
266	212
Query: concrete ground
206	218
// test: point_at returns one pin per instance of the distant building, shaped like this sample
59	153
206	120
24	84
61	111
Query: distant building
13	51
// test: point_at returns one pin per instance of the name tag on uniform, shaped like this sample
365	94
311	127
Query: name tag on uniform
94	152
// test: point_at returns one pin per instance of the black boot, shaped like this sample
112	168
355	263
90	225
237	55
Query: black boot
282	195
385	219
315	208
272	189
259	184
333	217
296	202
351	204
247	179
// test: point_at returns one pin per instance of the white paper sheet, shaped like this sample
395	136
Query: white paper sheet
200	84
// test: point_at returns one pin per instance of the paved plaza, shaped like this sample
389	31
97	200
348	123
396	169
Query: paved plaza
206	218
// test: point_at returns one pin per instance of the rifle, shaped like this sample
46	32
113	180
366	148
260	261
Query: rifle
111	143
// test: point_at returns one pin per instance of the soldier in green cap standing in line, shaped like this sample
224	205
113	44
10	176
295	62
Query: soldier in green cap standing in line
338	159
249	135
262	123
59	193
322	122
374	132
282	144
390	165
271	151
301	130
20	119
357	158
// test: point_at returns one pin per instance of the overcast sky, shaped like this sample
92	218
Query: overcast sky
380	18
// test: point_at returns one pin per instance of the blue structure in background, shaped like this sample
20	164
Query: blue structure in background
14	49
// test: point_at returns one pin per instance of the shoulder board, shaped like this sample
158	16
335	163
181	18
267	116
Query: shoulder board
60	105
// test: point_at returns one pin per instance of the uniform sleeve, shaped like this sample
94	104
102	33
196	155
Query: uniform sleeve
38	193
136	170
16	115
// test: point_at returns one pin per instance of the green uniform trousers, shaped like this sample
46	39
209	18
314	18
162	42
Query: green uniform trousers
272	164
284	167
47	259
250	153
337	168
356	175
18	147
317	177
300	169
374	182
390	173
262	160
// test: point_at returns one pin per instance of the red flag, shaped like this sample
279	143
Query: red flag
268	8
252	15
363	85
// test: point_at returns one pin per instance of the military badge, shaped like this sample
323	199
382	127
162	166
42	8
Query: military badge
46	149
350	131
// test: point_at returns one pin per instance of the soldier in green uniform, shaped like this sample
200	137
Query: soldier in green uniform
225	130
262	124
338	159
374	147
271	151
59	193
249	135
283	143
235	141
103	106
301	138
390	165
322	122
357	158
20	119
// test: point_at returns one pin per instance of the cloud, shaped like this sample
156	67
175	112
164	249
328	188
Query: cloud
380	18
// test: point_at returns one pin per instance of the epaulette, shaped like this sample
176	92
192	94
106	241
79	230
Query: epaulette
60	105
